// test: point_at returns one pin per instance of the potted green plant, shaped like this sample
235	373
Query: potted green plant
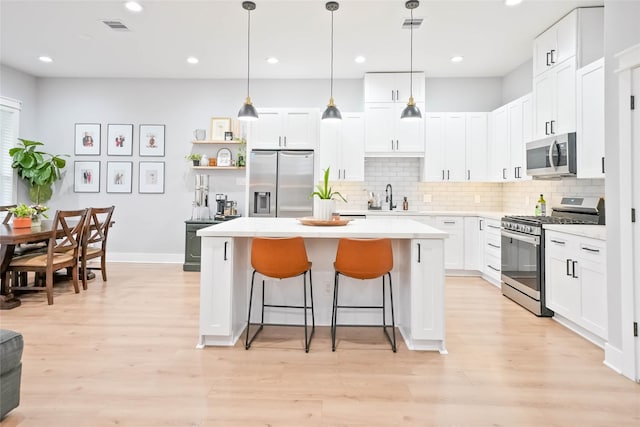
195	157
325	205
37	168
22	215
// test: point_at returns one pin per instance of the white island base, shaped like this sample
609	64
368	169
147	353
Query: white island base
418	279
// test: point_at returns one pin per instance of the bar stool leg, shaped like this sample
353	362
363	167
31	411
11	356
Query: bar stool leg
393	320
313	320
248	341
334	314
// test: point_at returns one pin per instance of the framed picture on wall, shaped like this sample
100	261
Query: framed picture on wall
119	140
119	177
152	140
87	139
86	177
220	125
151	177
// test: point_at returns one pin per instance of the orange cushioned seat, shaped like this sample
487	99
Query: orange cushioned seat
364	259
281	258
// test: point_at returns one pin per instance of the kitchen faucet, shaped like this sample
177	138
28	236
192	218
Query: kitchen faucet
389	196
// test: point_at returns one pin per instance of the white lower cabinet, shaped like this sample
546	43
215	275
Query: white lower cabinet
576	283
473	243
492	266
454	245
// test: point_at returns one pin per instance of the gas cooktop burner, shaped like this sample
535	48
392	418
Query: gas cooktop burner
547	220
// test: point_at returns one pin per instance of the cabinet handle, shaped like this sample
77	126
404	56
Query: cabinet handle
504	173
397	95
285	141
419	252
279	141
568	264
448	222
447	174
553	61
573	273
552	131
468	174
392	145
548	59
590	250
546	128
603	165
560	242
493	226
480	224
493	268
392	95
493	246
225	251
443	174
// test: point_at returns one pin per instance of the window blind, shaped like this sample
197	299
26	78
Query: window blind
9	126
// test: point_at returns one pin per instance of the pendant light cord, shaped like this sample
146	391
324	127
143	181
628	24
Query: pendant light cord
248	48
411	60
331	90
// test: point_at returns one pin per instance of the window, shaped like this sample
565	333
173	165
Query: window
9	125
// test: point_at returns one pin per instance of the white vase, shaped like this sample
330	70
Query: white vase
323	208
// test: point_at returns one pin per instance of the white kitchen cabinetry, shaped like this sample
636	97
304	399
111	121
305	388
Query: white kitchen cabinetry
342	147
455	147
590	120
556	44
393	87
492	266
454	244
510	131
576	284
473	243
285	129
554	97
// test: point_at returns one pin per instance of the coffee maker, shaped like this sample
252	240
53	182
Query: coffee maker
221	204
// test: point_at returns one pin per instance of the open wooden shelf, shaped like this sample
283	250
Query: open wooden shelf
220	167
206	141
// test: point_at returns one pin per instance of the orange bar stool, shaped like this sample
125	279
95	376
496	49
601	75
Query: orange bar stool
364	259
281	258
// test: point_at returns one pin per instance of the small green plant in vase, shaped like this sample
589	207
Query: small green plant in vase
23	214
194	157
325	205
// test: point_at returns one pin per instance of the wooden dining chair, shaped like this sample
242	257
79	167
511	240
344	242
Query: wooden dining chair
8	214
94	241
62	252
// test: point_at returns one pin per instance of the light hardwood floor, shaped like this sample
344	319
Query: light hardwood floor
123	353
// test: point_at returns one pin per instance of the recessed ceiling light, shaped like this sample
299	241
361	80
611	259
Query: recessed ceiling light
133	6
360	59
512	2
457	58
45	59
192	60
272	60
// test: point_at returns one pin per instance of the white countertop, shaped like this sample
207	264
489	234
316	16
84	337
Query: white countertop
394	228
592	231
400	212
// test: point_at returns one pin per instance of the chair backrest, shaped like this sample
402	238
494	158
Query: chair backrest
66	232
7	217
279	257
97	227
364	258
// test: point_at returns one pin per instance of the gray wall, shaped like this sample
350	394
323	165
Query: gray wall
622	30
518	82
153	224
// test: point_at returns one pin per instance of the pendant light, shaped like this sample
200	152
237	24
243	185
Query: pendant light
248	111
332	113
411	112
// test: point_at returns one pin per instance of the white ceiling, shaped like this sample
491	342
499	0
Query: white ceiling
493	38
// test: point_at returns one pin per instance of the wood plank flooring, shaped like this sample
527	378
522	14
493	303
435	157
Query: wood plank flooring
123	353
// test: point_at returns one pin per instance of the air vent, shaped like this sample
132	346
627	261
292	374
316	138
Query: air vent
115	25
415	23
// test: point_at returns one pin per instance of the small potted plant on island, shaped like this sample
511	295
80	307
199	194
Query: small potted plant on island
194	157
325	205
36	218
23	214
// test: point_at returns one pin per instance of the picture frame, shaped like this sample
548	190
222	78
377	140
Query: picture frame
87	139
220	125
151	177
228	136
119	176
120	140
86	177
151	138
223	157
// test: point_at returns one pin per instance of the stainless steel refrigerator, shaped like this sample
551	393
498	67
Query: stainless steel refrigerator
281	183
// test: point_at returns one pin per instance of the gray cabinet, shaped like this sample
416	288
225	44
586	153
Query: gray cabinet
192	248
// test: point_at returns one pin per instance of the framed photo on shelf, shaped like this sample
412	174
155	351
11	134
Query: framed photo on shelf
86	177
151	178
87	139
120	140
228	136
119	177
220	125
151	140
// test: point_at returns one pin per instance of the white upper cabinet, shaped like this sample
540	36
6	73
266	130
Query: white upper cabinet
554	98
556	44
590	120
393	87
285	129
476	146
342	148
499	158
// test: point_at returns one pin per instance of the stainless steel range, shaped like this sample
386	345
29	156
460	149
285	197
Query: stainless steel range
523	249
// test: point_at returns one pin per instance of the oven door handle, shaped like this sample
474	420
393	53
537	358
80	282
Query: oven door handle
534	240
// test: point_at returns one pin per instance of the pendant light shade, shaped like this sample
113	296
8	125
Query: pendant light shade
248	111
411	112
332	112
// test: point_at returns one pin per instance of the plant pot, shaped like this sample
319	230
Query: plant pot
22	222
36	220
196	162
323	208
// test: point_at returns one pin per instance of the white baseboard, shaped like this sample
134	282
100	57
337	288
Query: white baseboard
584	333
613	358
145	257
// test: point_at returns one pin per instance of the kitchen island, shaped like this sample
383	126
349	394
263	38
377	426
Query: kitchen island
418	278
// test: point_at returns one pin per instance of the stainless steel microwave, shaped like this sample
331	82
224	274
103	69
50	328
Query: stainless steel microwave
551	157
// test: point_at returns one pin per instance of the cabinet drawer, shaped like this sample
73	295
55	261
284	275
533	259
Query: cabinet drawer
593	250
492	246
492	265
